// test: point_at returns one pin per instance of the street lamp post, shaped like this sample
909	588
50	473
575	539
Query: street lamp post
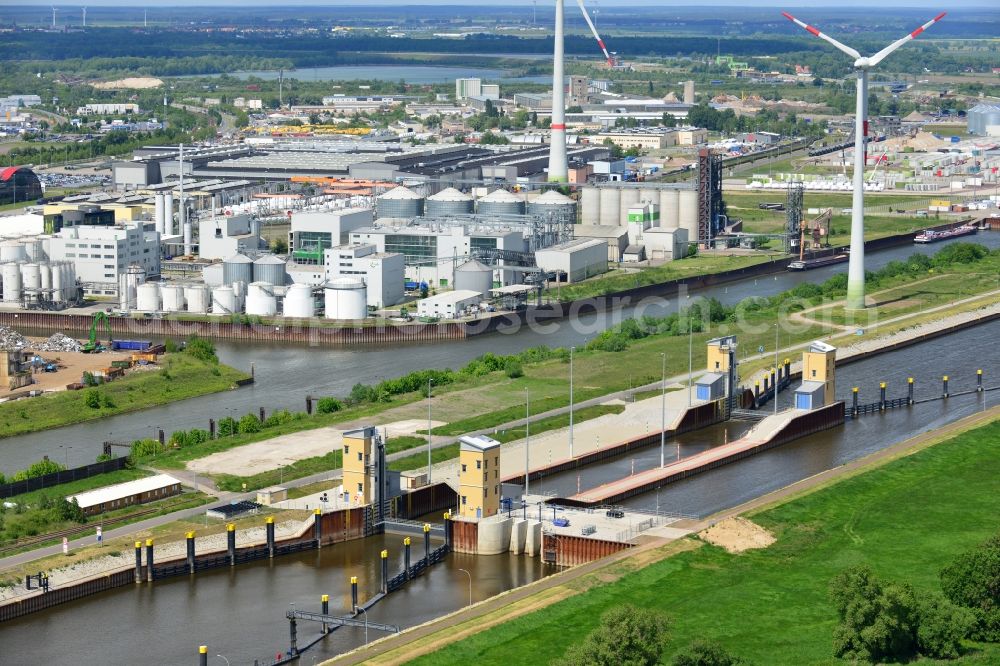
470	584
366	623
571	350
663	408
776	370
430	437
527	442
690	358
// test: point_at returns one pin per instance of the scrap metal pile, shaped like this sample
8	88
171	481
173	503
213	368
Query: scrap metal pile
11	340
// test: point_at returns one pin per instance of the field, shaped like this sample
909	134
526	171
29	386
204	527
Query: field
181	376
772	606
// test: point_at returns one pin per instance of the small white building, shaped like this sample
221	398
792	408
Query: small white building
224	236
665	244
614	237
314	232
383	272
574	260
120	495
109	109
100	254
449	305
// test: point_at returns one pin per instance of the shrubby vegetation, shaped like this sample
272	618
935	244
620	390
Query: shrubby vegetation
626	636
972	581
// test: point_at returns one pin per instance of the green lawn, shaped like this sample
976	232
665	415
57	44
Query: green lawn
906	520
182	376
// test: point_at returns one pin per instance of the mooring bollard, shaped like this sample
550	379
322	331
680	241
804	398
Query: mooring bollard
944	389
767	390
293	642
881	396
138	561
979	380
269	528
854	398
406	557
427	543
211	428
448	527
909	390
325	608
161	437
203	655
354	594
788	368
231	543
756	391
263	415
309	405
190	551
318	527
149	560
385	571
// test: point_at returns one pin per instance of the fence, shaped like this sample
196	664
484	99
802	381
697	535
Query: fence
65	476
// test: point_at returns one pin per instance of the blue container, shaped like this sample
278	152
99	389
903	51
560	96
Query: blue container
131	345
955	139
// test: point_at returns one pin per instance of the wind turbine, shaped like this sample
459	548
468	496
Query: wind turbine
84	17
54	10
856	267
593	31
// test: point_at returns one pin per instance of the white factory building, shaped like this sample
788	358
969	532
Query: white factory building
574	260
314	232
450	304
223	236
382	272
100	254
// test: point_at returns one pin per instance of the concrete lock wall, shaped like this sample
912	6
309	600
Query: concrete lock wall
518	532
494	536
533	538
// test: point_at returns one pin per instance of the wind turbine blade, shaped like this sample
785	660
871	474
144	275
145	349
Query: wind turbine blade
593	30
878	57
813	31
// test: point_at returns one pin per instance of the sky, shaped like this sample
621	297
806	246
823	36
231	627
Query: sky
950	4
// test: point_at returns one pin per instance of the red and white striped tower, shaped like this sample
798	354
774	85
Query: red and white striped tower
558	171
856	267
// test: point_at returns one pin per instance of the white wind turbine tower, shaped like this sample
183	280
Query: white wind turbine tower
856	267
84	17
54	10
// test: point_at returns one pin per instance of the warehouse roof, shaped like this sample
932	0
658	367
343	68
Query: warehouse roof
122	490
477	443
453	297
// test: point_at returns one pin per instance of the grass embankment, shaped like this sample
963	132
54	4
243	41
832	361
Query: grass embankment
772	606
181	376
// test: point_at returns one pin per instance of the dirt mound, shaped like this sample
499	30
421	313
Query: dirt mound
136	82
737	534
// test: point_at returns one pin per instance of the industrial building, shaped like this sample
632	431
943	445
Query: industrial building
100	254
17	184
450	304
314	232
984	120
478	477
382	272
470	87
226	235
121	495
818	387
574	260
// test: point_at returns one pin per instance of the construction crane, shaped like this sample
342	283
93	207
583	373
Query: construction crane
92	345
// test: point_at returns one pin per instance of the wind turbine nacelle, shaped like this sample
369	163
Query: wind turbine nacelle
862	63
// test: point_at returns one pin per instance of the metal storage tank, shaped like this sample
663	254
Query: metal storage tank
172	296
399	202
448	202
688	214
630	199
299	301
345	298
649	195
270	269
45	272
147	297
261	300
238	268
58	282
12	250
11	283
158	215
475	276
69	280
501	202
611	201
168	213
669	201
559	206
33	250
198	297
31	277
224	300
590	206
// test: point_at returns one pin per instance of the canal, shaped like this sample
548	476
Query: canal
286	373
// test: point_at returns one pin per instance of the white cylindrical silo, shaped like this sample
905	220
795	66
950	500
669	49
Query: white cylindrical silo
31	277
649	195
168	213
33	250
224	300
69	281
147	297
474	276
590	206
197	297
11	283
688	214
669	200
345	298
160	214
270	269
261	300
630	199
611	201
172	296
299	302
12	250
58	286
46	277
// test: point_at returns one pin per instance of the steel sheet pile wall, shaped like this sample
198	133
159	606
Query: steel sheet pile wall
464	537
566	550
429	499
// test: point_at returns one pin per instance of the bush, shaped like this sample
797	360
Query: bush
513	369
281	417
943	625
626	636
92	398
328	406
972	580
706	653
878	621
106	401
201	349
104	457
40	468
227	426
71	511
249	424
89	379
142	448
169	346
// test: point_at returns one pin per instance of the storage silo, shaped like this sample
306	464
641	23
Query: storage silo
299	302
630	199
147	297
270	269
687	215
158	215
669	201
33	250
70	291
345	298
172	297
11	282
238	268
590	206
399	202
45	276
560	207
448	201
31	277
198	297
168	213
501	202
261	300
649	195
12	250
224	301
58	282
611	201
475	276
